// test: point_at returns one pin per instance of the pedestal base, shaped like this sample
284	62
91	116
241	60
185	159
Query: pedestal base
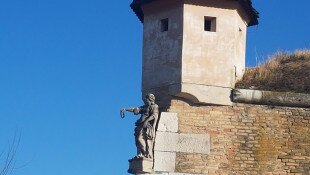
140	166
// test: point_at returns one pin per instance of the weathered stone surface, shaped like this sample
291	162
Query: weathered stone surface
187	143
164	161
271	98
140	166
168	122
166	141
194	143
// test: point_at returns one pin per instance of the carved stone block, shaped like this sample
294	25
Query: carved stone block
185	143
164	161
168	122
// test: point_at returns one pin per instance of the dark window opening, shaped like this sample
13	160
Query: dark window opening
210	24
164	24
207	25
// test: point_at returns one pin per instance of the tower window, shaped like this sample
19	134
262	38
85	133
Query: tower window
164	25
210	24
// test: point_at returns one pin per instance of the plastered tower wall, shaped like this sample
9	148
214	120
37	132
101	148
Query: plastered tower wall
212	61
213	58
244	139
187	60
162	51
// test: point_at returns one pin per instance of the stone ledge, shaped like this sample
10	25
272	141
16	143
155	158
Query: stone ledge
271	98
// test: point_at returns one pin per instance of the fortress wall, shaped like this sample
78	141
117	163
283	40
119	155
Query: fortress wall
245	139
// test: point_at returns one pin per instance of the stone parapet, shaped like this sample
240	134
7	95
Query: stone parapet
271	98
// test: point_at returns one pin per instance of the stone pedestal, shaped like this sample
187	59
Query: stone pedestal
140	166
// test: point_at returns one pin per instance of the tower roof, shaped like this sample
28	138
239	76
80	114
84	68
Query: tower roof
246	4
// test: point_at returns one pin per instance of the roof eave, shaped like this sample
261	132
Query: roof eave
251	11
138	11
253	14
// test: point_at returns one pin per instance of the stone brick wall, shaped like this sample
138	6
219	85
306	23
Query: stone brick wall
246	139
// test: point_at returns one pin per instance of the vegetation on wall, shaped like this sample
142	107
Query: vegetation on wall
282	71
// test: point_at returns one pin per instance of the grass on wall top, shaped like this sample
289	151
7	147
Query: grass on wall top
282	71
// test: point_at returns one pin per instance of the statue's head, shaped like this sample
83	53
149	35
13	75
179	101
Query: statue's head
149	99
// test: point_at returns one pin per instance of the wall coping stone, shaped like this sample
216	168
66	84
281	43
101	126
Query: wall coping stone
274	98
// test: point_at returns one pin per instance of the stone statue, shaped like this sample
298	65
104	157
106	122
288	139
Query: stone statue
145	126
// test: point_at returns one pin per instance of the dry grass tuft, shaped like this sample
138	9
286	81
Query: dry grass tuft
281	72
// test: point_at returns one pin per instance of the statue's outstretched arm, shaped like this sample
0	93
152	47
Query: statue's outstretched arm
135	110
131	109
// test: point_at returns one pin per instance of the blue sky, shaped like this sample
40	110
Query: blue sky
67	67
